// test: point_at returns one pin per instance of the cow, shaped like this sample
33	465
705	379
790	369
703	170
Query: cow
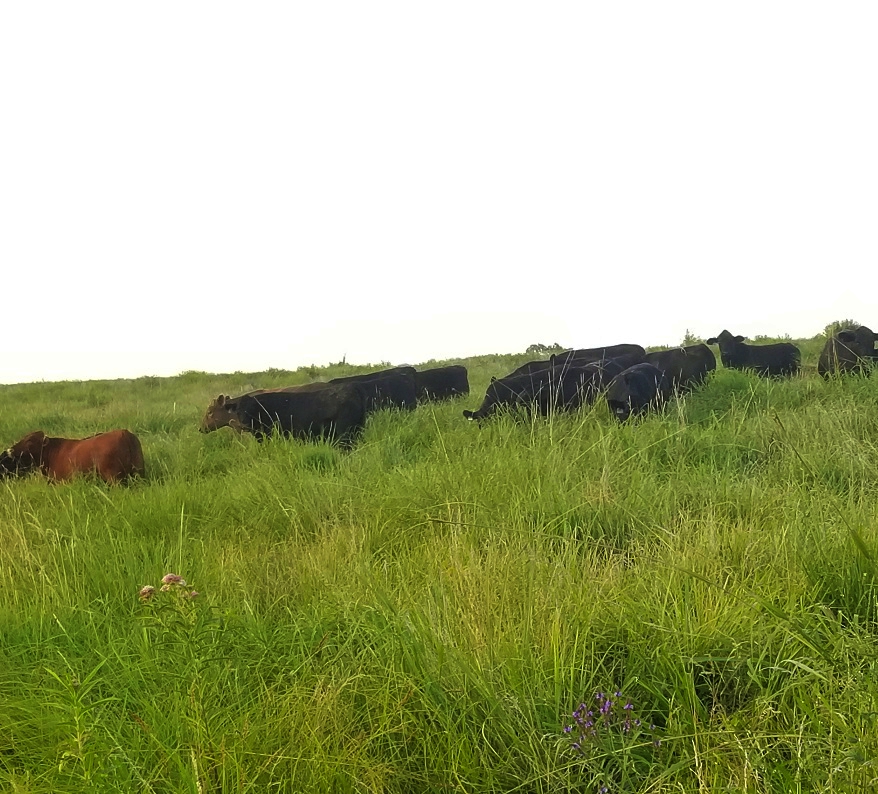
546	391
114	457
628	354
637	389
394	388
684	367
441	383
848	350
336	413
775	360
221	411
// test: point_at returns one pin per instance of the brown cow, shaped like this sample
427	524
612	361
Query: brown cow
114	456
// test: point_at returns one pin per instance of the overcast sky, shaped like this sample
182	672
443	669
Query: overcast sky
221	187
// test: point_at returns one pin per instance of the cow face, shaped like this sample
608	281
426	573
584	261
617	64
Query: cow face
864	339
220	413
24	456
725	339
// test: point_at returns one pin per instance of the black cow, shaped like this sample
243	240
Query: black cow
336	413
781	358
557	389
394	388
221	411
441	383
847	351
637	389
684	367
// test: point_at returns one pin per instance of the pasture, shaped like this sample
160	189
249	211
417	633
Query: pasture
426	612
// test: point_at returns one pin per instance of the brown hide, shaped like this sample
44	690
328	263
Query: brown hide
114	456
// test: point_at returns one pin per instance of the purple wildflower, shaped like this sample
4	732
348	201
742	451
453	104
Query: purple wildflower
172	578
146	592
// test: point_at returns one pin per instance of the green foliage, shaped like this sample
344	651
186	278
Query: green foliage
424	612
690	339
543	351
834	327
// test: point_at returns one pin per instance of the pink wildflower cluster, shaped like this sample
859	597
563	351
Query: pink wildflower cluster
170	582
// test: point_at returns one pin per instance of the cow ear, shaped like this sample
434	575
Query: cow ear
711	341
739	338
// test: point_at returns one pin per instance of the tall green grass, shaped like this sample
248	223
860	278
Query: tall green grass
425	612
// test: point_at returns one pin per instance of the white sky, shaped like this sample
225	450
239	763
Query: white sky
219	186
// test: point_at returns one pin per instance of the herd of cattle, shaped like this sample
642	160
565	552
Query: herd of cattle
631	380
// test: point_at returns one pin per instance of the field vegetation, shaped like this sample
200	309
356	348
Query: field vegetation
429	611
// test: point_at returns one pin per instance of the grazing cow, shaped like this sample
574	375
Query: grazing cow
782	358
222	410
847	351
114	456
684	367
441	383
546	391
394	388
336	413
637	389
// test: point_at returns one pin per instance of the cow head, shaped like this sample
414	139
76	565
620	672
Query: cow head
220	413
725	338
864	339
24	456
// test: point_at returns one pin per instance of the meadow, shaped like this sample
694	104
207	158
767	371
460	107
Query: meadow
430	611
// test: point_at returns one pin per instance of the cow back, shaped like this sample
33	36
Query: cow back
589	354
388	390
114	456
441	383
684	367
368	376
337	413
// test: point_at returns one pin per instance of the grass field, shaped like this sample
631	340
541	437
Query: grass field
427	612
